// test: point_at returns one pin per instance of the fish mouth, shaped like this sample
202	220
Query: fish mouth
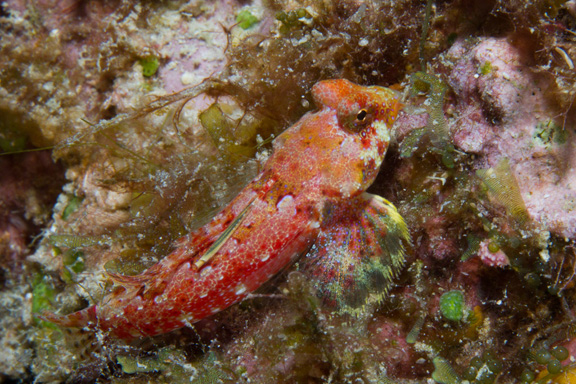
389	104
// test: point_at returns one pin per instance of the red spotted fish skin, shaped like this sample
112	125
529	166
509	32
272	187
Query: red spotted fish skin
329	156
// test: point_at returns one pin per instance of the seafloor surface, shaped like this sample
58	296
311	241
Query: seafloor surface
482	168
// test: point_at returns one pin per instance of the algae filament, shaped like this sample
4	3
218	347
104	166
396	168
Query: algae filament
436	128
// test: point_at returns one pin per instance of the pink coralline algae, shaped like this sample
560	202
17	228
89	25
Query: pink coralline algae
492	258
505	112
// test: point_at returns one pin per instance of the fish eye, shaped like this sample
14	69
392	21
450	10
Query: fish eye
363	117
355	118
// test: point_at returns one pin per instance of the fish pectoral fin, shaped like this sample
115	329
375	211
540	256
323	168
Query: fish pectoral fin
128	281
145	285
359	251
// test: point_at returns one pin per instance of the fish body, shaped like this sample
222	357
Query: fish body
308	197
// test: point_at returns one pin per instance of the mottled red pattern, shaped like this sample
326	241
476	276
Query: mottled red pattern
328	157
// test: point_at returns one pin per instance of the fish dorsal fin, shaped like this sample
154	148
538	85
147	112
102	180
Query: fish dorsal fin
359	251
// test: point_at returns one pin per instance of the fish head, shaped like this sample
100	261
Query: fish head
364	115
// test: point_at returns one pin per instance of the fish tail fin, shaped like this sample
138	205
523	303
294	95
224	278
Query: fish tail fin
83	318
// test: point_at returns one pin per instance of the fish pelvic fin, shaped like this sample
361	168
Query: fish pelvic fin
360	250
83	318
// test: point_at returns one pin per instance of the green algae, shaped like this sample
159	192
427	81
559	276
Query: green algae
424	34
129	262
150	65
493	247
246	19
436	129
452	305
503	188
220	127
547	133
485	68
234	137
73	261
144	204
171	364
43	295
162	360
411	142
560	352
74	203
293	20
436	126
